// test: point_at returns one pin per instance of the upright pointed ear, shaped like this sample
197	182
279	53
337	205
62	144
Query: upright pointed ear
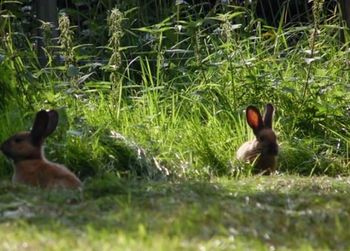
52	122
39	127
254	119
268	117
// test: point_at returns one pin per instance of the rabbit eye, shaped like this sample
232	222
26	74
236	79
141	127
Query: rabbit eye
261	138
18	140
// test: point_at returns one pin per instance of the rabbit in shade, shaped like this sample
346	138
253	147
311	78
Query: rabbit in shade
30	165
263	150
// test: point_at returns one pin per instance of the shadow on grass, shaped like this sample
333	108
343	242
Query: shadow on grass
275	211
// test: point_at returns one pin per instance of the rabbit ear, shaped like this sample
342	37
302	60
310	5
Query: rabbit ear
52	122
269	109
39	127
254	119
45	123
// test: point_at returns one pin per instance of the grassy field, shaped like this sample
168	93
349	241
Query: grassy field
255	213
151	114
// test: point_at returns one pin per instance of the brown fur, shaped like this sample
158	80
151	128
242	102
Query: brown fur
30	164
44	174
263	150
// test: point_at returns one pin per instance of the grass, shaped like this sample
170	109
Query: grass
180	95
259	213
150	119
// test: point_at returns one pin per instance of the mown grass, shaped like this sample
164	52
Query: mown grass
259	213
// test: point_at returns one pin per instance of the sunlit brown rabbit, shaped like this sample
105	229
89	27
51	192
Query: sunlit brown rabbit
263	150
30	164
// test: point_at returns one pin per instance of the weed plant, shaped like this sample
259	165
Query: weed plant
176	90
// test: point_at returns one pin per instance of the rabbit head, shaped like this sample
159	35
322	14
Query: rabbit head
262	128
28	145
264	148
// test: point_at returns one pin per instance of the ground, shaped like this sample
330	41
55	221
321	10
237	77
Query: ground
260	213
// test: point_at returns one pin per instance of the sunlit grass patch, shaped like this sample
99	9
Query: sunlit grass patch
283	212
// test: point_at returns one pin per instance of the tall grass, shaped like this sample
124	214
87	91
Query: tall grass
182	86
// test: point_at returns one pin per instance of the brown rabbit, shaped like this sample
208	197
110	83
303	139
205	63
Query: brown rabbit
31	167
263	150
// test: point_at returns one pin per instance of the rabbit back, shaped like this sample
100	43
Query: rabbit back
251	152
44	174
248	151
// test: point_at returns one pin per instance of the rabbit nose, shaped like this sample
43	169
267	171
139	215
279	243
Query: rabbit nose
273	149
4	147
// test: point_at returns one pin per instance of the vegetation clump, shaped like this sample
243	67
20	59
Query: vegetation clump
177	84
